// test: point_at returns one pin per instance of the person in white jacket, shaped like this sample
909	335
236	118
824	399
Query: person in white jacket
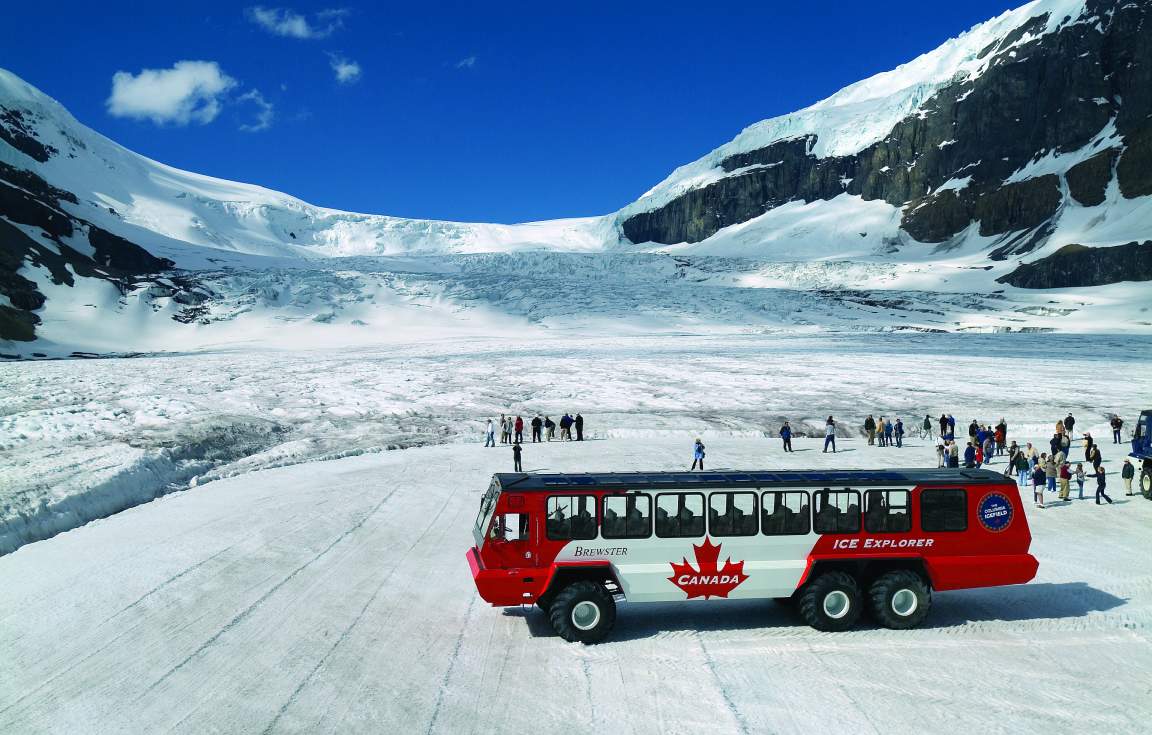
490	434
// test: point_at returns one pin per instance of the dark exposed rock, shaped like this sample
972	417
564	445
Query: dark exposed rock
22	207
1088	180
16	132
32	183
17	325
1053	93
1076	265
1134	171
116	253
1019	206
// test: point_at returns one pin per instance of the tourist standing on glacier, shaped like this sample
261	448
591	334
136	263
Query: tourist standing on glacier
953	455
939	454
519	430
537	423
578	422
989	448
926	428
1079	475
516	452
1022	465
550	428
1117	424
830	435
697	455
889	432
898	432
786	436
1127	472
490	434
870	429
1038	480
1001	435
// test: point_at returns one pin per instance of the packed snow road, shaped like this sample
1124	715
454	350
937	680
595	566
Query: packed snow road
334	597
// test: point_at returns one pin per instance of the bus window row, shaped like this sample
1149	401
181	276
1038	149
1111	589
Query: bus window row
774	513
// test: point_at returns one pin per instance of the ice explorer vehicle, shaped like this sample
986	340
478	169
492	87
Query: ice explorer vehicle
1142	451
835	543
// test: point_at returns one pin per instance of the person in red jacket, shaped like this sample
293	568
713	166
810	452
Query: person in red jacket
519	430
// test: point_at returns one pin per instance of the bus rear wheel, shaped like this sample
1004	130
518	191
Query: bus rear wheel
1146	483
831	602
900	600
583	612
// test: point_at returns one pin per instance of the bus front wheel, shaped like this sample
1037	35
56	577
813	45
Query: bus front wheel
583	612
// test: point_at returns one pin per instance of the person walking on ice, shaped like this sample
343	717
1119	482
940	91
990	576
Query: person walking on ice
926	428
490	434
786	436
516	452
829	435
698	455
1101	483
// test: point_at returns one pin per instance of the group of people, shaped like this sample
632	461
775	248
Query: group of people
886	432
543	429
984	442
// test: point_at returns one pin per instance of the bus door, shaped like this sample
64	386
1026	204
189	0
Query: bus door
511	537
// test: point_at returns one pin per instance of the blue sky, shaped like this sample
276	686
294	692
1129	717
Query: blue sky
498	112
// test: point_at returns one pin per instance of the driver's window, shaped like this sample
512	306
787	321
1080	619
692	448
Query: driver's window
510	527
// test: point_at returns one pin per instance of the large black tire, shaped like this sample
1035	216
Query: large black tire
1146	484
899	600
583	612
831	602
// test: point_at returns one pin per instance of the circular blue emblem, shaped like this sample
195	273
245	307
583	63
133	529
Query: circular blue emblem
995	512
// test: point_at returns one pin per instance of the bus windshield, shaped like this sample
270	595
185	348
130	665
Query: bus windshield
487	504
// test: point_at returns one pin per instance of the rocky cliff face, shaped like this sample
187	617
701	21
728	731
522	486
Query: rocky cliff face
958	159
1078	266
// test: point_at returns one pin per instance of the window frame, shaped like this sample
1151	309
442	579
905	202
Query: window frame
755	512
920	509
859	512
906	507
650	520
679	504
807	514
595	517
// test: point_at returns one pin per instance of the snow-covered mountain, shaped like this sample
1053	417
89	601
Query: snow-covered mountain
940	195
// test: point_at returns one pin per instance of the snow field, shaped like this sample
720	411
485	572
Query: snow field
81	439
334	597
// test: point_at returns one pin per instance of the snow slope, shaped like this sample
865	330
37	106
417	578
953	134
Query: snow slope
334	597
863	113
153	202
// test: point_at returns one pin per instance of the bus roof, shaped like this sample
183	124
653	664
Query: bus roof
519	482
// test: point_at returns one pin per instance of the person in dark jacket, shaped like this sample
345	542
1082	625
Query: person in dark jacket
970	456
578	422
1117	424
972	429
537	424
1088	442
870	429
1002	434
1038	482
786	436
550	427
698	455
898	432
516	450
1069	423
1127	472
1101	483
1095	457
943	427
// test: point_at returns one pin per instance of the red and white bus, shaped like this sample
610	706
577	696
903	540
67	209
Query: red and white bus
836	543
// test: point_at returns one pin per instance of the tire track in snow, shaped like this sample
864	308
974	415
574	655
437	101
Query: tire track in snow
710	664
243	614
451	666
356	621
162	585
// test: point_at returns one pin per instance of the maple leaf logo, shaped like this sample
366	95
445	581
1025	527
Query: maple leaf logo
710	580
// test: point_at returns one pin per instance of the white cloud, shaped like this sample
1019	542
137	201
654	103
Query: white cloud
288	23
466	63
265	111
346	70
190	91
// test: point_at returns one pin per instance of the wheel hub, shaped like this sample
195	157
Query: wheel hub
836	604
585	615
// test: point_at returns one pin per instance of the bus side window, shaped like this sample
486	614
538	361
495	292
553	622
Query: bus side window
886	511
627	516
680	515
732	514
837	511
785	513
510	527
944	510
571	517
